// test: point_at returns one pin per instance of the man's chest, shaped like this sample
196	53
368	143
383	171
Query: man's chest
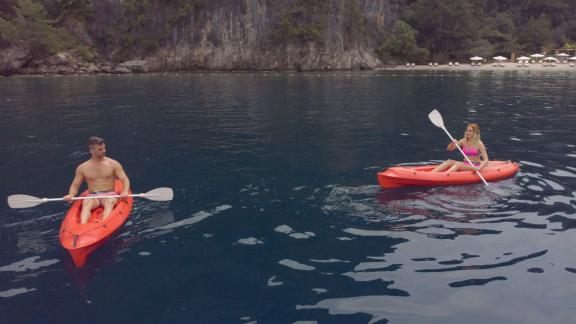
99	171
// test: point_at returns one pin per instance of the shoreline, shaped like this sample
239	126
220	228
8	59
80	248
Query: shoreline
539	67
559	67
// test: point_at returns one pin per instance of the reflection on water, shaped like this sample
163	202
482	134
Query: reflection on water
455	238
14	292
197	217
277	215
27	264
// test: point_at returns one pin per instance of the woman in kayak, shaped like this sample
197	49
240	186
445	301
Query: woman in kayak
472	146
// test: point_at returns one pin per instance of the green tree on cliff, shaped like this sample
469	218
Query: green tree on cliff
402	45
446	27
25	24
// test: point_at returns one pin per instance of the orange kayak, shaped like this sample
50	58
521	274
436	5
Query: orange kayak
82	239
400	176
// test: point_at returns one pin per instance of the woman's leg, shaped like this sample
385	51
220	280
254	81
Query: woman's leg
445	165
460	166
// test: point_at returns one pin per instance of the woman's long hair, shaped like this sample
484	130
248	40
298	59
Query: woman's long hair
475	133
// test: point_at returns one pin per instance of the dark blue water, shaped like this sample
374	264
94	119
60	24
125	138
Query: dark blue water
277	216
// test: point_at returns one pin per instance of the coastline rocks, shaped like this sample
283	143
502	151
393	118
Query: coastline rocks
91	68
253	35
119	70
311	57
62	59
16	60
60	63
12	60
134	66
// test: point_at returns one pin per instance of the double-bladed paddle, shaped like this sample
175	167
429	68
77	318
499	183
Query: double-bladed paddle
437	120
26	201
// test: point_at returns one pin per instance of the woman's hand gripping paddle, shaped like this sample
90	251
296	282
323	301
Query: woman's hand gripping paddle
437	120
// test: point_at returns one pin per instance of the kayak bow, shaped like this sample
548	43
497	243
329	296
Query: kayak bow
82	239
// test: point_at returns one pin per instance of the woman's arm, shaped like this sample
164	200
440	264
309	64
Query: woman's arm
484	155
452	145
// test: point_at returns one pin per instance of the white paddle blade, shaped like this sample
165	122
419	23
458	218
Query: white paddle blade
160	194
436	118
23	201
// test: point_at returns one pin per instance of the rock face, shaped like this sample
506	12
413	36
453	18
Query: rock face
12	60
219	35
236	36
135	66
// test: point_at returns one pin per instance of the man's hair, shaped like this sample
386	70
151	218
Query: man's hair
95	140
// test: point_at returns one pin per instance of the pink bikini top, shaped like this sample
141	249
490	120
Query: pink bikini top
471	152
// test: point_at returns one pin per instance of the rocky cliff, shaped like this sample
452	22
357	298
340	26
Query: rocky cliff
158	35
244	35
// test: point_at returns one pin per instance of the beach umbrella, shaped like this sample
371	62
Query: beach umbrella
500	58
523	58
562	57
476	58
537	55
550	58
572	58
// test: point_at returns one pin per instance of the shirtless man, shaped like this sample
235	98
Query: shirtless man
99	173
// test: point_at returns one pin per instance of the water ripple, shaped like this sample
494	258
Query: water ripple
27	264
277	202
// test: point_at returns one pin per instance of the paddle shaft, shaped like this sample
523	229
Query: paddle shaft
93	197
464	154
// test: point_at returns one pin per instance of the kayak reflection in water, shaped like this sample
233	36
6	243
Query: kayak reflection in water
99	172
474	149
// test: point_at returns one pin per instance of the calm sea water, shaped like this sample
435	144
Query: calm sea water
277	216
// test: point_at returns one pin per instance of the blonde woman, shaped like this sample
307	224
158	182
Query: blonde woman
474	149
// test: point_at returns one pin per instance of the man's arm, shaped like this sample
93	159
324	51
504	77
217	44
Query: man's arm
76	183
121	175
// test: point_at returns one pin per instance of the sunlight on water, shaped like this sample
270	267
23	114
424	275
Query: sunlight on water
27	264
15	292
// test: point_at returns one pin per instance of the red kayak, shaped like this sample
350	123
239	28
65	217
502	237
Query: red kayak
82	239
400	176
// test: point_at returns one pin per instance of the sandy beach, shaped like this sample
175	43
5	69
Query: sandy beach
559	67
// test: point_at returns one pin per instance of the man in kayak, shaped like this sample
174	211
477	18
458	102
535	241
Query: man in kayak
474	149
100	173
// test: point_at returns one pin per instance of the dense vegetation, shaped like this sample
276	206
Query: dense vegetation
442	30
131	28
301	22
143	26
25	23
438	30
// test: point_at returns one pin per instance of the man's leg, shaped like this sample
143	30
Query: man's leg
87	206
109	204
